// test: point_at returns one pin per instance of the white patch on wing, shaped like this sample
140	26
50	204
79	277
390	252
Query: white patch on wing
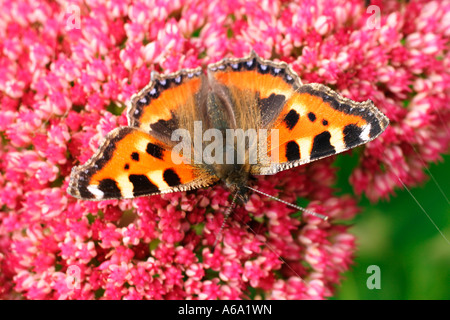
305	145
156	177
337	139
365	133
98	194
126	186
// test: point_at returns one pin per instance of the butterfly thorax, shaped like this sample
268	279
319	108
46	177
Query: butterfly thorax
236	178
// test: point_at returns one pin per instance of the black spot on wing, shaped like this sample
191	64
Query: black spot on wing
291	119
311	117
322	146
109	188
135	156
352	135
126	167
154	150
142	185
171	178
292	151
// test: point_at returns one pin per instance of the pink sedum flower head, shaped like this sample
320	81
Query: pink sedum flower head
66	73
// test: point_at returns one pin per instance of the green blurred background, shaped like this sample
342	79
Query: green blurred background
396	235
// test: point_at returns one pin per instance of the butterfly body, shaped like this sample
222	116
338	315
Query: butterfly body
244	117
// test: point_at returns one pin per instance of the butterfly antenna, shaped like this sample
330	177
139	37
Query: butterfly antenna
315	214
227	214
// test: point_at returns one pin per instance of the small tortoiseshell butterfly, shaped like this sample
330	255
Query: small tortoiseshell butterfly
312	120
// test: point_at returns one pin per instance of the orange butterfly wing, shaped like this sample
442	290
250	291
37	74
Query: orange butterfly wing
132	163
310	121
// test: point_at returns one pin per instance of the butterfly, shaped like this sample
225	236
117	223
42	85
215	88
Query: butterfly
299	123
